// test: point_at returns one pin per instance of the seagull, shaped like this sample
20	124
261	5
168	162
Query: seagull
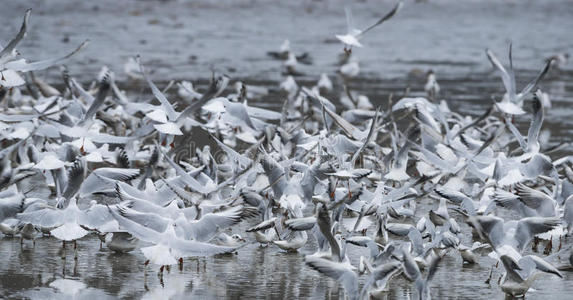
432	87
9	227
324	83
167	246
345	273
121	241
513	100
352	37
521	271
27	231
413	273
517	234
223	239
472	254
10	66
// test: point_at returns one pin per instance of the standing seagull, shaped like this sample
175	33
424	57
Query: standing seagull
432	87
351	38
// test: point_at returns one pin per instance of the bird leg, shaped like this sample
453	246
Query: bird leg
75	250
488	280
535	244
145	270
82	148
168	268
181	264
349	192
161	272
75	268
145	282
499	280
63	249
560	243
549	246
334	189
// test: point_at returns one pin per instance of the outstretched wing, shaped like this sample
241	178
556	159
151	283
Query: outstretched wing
340	272
536	121
21	34
385	18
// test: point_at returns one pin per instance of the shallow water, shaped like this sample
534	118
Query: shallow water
186	40
189	39
39	272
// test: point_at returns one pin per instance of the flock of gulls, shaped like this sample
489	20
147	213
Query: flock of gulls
78	161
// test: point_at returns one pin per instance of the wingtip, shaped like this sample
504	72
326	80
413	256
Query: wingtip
27	15
488	52
84	44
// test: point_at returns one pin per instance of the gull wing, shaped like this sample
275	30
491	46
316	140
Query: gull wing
47	217
171	113
23	66
149	220
349	129
195	248
137	230
490	228
340	272
75	179
95	216
381	273
234	155
207	227
270	223
527	228
505	76
299	224
275	173
536	122
188	179
385	18
21	34
349	20
530	86
98	100
539	264
516	133
535	199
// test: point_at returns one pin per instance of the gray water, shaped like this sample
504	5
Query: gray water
189	39
40	272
